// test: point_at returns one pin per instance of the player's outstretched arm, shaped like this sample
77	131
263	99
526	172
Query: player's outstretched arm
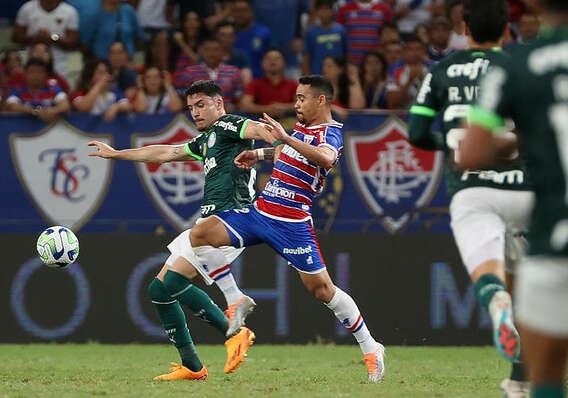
246	159
322	156
150	153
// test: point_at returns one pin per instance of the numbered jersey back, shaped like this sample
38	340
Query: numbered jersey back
450	89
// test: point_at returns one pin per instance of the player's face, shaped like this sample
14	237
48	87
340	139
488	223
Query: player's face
204	110
308	103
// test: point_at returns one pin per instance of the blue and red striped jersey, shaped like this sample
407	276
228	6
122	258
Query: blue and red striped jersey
295	180
49	95
361	22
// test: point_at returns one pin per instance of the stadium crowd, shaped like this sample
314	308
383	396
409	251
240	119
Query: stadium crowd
140	55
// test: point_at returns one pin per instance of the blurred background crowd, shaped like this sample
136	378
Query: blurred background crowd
105	57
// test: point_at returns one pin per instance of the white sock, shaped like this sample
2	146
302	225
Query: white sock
230	289
348	314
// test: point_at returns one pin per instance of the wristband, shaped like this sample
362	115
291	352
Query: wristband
277	143
260	153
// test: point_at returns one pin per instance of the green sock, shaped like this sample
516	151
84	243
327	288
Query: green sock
548	390
174	322
486	287
197	300
518	371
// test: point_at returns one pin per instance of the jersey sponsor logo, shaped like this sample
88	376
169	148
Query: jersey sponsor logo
65	184
210	163
390	174
297	250
227	126
472	70
273	189
175	188
294	154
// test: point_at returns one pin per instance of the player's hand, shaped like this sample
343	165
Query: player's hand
246	159
103	150
275	129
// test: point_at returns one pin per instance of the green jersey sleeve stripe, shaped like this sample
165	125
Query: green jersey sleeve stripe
422	111
189	153
243	129
486	119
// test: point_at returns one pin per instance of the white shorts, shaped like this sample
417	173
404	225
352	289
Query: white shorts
542	294
481	218
181	247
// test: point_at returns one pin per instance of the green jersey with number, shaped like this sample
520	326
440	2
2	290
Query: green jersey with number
532	89
449	90
226	186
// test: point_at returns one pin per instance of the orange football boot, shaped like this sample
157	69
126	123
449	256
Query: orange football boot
180	372
237	347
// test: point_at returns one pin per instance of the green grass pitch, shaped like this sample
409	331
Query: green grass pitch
69	370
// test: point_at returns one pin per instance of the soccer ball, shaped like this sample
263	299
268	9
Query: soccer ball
58	247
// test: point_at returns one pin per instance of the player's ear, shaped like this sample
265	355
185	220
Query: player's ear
219	103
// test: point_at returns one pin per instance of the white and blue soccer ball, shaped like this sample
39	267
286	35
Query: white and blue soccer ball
58	247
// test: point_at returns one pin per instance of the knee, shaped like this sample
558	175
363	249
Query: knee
157	291
323	291
198	236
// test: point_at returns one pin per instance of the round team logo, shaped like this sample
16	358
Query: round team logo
211	140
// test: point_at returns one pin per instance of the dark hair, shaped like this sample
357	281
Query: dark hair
486	19
319	83
450	4
274	49
323	3
207	87
223	24
381	57
387	25
413	38
37	62
208	39
88	72
556	5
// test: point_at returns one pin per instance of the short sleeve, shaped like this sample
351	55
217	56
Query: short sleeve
192	148
73	22
232	126
333	139
495	100
13	97
23	16
427	102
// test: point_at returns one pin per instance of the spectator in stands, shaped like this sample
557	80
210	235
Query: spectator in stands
122	72
528	27
406	79
252	38
388	33
97	94
204	9
160	51
88	15
326	39
227	35
286	36
37	98
43	51
439	39
394	53
411	13
52	22
458	36
373	71
211	67
421	31
361	19
346	83
152	17
156	94
116	21
192	33
272	93
12	71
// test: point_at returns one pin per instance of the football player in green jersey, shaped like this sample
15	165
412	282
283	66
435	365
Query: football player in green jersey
487	205
532	89
223	137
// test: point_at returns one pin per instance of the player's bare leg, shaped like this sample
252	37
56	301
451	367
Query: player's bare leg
346	311
491	292
546	360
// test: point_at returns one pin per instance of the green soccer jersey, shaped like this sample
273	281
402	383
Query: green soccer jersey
532	89
449	90
226	186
